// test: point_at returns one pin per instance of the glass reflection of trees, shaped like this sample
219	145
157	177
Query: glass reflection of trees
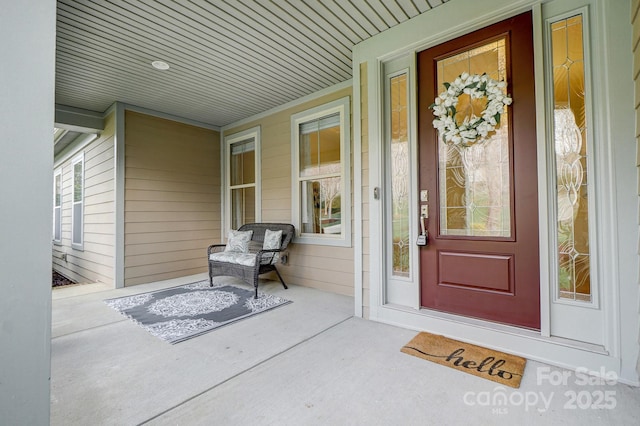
320	174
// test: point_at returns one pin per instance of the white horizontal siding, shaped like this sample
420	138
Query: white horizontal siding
95	262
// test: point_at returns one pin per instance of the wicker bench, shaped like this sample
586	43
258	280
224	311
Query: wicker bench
255	261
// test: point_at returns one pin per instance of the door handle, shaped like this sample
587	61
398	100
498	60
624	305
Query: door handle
423	238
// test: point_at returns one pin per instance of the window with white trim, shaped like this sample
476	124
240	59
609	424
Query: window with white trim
243	178
57	206
77	203
321	180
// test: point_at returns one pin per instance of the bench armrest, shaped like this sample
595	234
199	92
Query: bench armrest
214	248
266	254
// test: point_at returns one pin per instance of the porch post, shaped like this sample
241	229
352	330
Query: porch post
27	31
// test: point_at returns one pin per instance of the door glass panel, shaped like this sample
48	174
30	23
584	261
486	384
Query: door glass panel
399	170
570	132
474	181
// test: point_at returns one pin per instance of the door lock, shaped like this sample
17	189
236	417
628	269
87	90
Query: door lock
423	238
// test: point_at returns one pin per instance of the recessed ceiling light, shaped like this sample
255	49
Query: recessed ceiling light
159	65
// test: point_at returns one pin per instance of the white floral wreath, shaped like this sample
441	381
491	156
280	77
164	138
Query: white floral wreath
473	129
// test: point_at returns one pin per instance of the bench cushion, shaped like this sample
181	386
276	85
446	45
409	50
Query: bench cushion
245	259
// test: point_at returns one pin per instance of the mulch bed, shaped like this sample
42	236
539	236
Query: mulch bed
58	280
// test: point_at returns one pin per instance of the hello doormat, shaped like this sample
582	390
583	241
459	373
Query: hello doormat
180	313
493	365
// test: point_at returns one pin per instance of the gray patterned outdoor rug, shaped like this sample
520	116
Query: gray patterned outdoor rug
180	313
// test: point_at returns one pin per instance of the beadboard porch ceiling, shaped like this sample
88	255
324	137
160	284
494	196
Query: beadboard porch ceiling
229	59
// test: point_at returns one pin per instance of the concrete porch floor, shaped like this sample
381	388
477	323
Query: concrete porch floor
306	363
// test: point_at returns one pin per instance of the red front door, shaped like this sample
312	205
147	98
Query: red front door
482	259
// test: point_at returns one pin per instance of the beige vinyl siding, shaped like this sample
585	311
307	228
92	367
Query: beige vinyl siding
95	263
172	198
364	140
322	267
635	14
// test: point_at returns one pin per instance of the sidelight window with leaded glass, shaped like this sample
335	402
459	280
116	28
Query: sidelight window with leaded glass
570	129
398	166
